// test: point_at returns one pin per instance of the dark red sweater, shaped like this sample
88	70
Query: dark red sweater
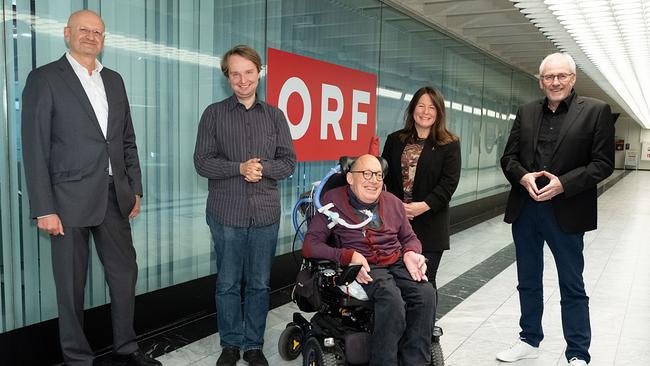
381	246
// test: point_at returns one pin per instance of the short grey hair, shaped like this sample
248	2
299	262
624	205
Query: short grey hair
565	56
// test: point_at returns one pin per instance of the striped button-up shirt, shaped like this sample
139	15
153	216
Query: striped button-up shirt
228	135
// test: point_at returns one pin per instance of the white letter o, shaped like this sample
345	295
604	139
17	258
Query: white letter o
296	85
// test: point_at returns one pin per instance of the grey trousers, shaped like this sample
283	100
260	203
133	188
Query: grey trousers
70	264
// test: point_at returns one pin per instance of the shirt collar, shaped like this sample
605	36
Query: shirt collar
79	68
234	102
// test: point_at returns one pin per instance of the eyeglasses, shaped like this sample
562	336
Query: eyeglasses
367	174
561	77
91	32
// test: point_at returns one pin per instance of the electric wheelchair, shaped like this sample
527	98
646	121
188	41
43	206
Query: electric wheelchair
339	332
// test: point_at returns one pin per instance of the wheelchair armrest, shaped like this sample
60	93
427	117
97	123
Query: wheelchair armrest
321	262
344	274
348	274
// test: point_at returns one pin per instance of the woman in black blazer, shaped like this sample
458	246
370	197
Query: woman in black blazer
423	171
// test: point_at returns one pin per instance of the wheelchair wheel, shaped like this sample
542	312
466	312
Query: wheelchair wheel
315	355
290	342
437	358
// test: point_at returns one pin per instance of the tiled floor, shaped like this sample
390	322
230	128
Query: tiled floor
617	277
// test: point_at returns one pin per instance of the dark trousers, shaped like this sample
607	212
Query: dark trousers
537	224
70	264
404	312
433	263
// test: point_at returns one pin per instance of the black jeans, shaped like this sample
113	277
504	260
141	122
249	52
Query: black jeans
433	263
404	311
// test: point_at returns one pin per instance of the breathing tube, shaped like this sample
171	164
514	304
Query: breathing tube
334	217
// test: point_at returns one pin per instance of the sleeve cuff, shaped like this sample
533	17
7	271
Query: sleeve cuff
520	174
346	256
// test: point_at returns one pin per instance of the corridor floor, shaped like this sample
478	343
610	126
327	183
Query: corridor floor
478	325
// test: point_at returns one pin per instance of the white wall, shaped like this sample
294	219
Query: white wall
632	133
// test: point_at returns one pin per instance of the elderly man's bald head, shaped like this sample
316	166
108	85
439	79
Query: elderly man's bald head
75	17
365	161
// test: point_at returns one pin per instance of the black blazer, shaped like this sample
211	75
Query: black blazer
65	153
583	156
436	178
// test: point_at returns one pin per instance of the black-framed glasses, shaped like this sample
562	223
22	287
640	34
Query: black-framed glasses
367	174
561	77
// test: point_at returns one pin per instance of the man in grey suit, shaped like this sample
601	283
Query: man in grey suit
83	176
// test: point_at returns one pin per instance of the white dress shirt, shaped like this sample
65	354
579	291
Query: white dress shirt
94	87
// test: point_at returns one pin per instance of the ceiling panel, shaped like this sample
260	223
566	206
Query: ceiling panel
498	28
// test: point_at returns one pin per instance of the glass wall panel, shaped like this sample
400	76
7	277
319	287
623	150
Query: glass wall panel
463	88
411	57
168	53
7	314
494	128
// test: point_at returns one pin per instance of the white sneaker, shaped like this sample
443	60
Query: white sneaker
518	351
577	362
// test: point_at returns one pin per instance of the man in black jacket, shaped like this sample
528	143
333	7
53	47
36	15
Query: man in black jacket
559	148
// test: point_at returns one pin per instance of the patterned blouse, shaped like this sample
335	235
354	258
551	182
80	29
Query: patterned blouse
410	158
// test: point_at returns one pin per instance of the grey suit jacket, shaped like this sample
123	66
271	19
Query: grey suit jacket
583	156
65	153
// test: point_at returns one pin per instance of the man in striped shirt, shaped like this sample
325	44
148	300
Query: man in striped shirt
243	147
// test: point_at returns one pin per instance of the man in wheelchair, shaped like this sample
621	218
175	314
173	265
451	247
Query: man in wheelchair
392	269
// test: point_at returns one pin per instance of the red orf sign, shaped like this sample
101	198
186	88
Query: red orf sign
330	108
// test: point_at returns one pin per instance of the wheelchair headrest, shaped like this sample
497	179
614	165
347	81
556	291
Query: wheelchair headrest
346	163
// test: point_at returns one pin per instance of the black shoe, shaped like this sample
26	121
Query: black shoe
137	358
229	356
255	357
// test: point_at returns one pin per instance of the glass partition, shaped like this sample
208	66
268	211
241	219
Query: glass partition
168	53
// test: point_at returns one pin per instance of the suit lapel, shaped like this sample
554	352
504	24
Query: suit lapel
111	97
574	110
424	161
68	75
537	118
400	146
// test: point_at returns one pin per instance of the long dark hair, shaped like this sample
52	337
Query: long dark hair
438	134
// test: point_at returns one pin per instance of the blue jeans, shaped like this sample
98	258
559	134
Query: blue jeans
244	256
537	224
